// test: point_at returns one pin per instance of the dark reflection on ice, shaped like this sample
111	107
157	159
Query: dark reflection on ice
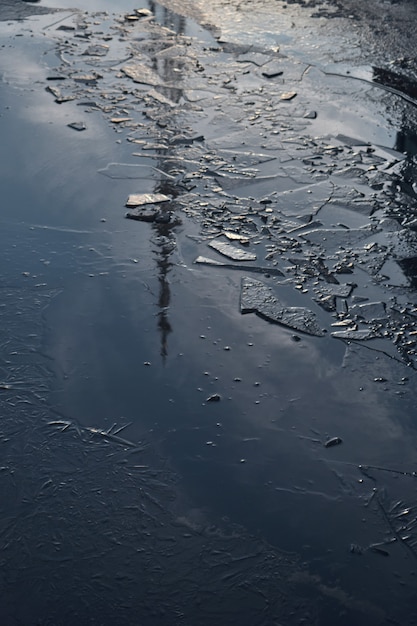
94	509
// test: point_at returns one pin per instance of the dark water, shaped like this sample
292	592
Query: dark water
128	497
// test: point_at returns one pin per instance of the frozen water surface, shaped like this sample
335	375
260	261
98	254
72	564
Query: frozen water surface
128	492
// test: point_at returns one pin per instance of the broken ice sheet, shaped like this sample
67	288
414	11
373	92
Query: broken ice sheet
232	252
256	297
140	199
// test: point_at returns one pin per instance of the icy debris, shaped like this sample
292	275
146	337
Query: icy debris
96	50
87	79
203	260
137	15
340	291
215	397
184	140
231	252
161	98
289	95
140	199
66	28
388	224
141	74
145	214
235	237
403	243
315	266
328	303
256	297
345	323
272	70
77	126
356	549
88	103
143	12
59	98
333	441
150	213
370	311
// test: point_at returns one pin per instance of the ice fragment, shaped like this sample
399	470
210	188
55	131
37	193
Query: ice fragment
339	291
272	70
352	334
97	50
369	311
256	297
143	214
215	397
273	271
333	441
77	126
140	199
235	237
289	95
232	252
